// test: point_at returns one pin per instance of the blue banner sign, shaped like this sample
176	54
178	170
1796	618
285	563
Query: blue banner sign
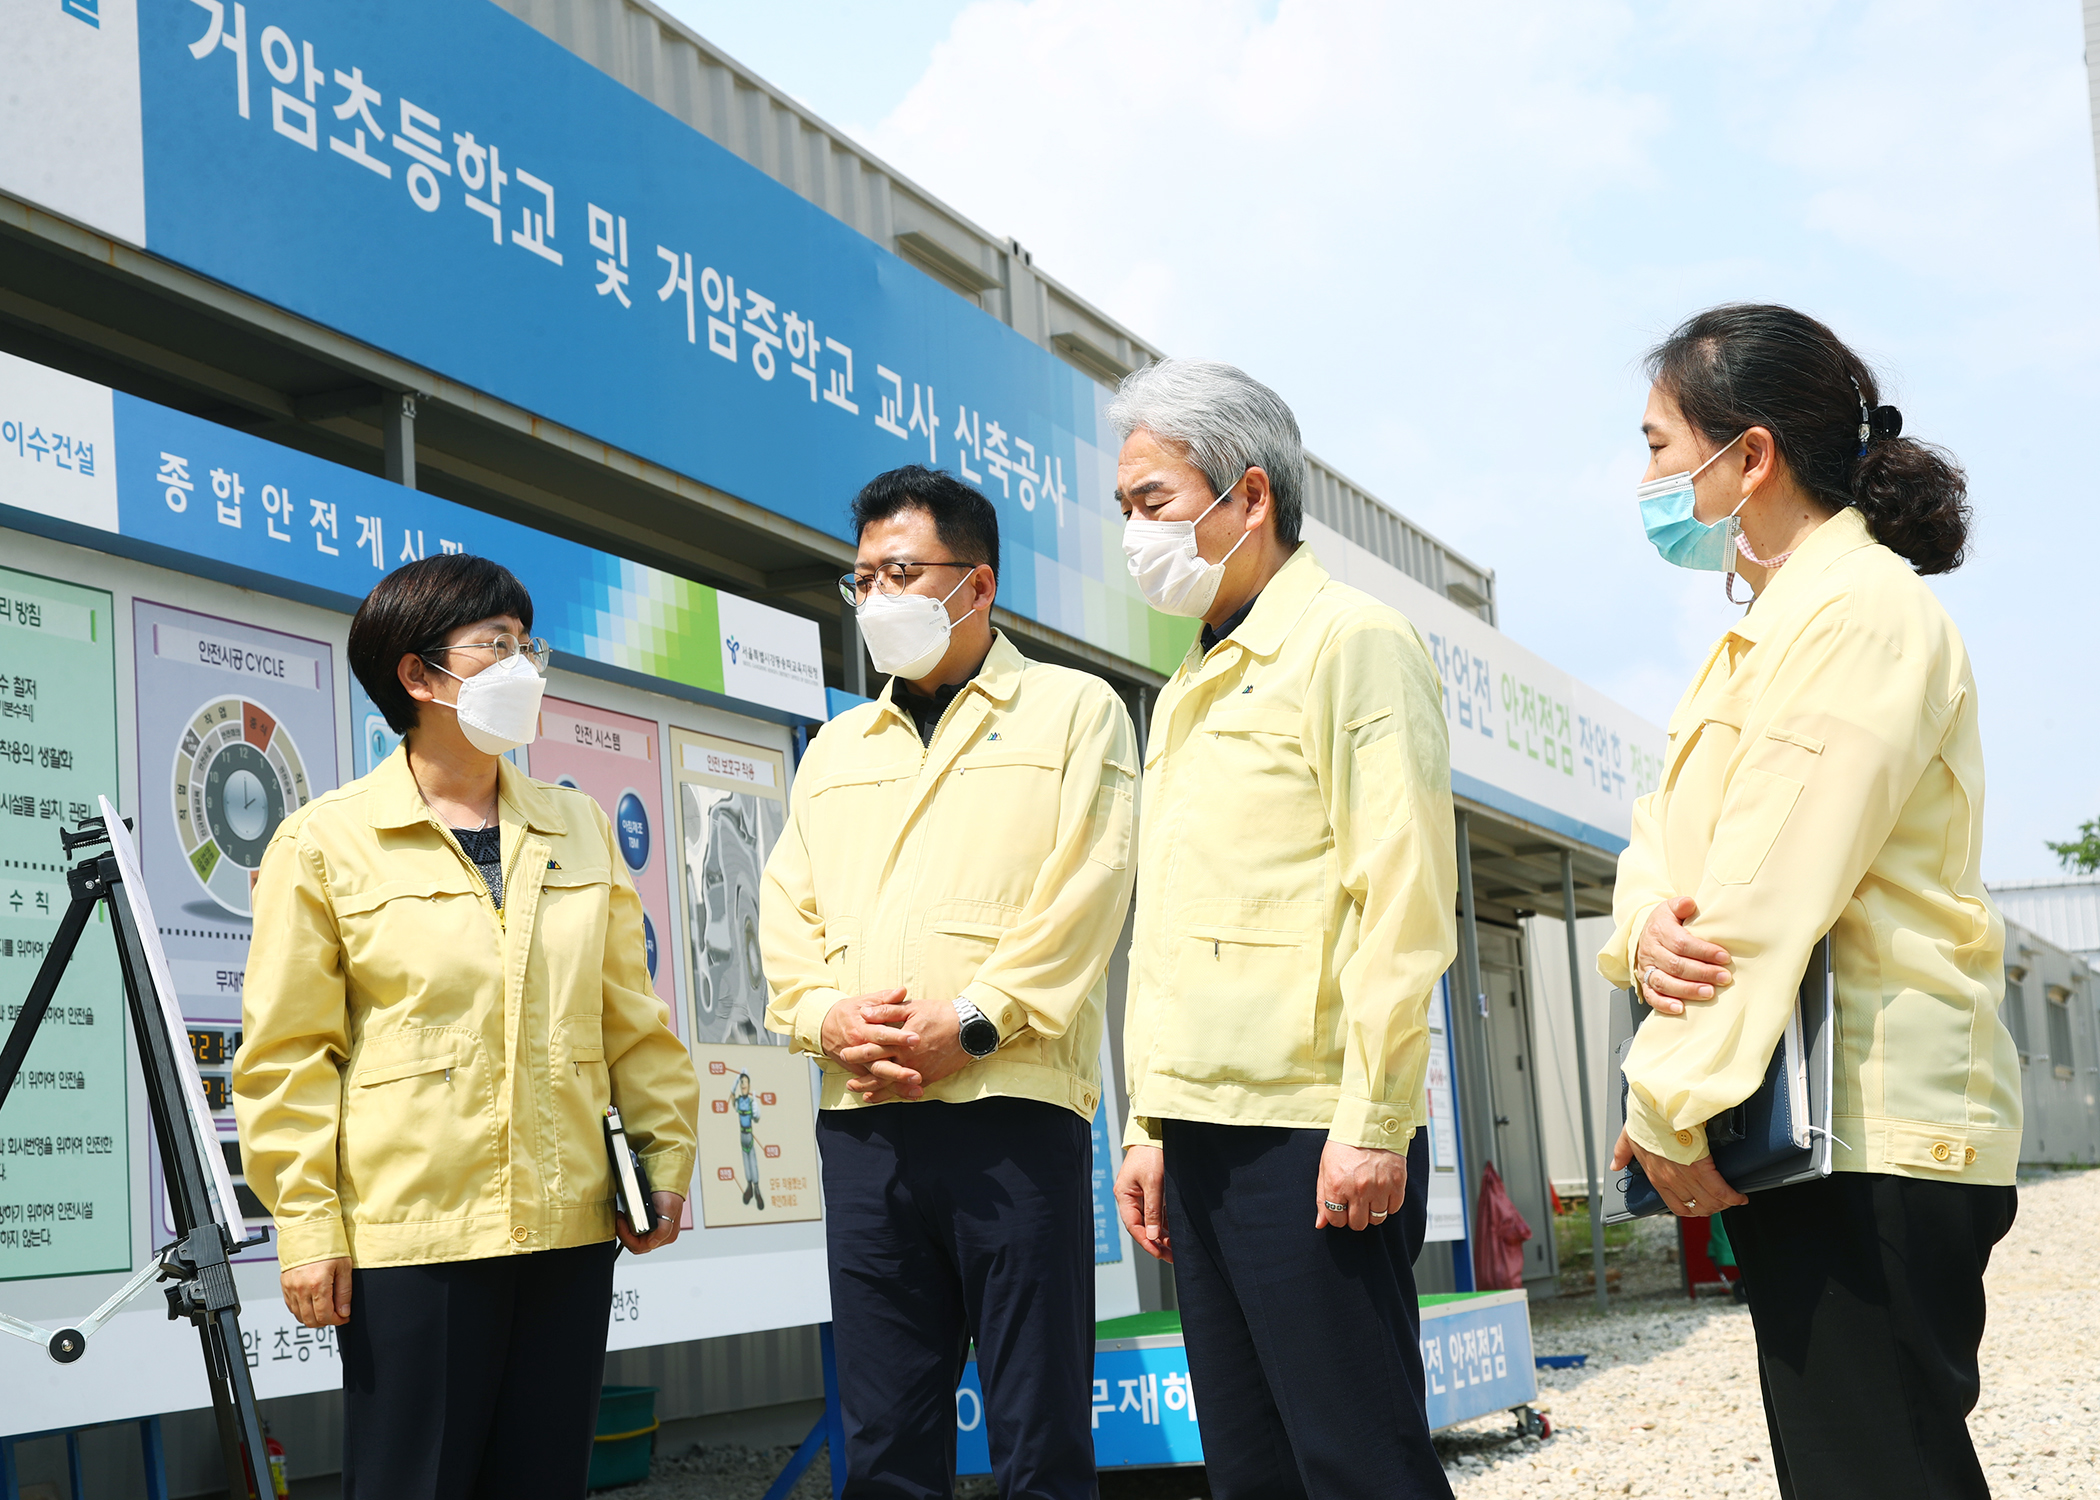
1476	1356
438	179
1144	1411
226	504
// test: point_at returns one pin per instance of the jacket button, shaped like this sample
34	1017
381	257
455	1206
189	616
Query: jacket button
1968	1155
1684	1137
519	1234
1939	1151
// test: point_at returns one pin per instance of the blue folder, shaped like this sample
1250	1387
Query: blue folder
1779	1135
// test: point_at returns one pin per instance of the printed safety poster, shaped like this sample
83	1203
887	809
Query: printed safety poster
758	1137
616	761
236	729
65	1164
731	809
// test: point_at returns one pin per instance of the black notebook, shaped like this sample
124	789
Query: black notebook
1779	1135
631	1196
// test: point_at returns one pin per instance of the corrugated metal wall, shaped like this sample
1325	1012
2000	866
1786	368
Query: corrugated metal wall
657	57
727	1374
2049	1008
2066	912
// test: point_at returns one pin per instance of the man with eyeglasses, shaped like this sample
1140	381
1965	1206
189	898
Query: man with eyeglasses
936	924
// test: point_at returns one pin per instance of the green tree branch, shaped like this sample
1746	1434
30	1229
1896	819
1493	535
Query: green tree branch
2081	856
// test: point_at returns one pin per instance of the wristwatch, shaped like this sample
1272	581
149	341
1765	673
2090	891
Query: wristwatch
980	1038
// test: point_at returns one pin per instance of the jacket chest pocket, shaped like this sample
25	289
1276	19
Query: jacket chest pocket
1698	748
1245	1006
419	1119
1756	809
853	820
579	1088
428	934
568	931
1004	797
1248	815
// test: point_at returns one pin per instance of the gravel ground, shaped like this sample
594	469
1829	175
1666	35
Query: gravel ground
1668	1403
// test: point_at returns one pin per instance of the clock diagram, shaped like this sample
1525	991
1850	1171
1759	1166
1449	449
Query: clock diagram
237	773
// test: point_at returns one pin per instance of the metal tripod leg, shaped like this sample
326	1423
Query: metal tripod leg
200	1261
207	1297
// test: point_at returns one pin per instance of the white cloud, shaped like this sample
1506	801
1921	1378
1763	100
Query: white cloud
1446	234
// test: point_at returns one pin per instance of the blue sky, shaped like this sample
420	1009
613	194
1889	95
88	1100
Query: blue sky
1446	235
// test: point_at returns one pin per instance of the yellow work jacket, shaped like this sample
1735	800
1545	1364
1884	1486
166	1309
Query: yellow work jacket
1825	774
992	865
1297	878
424	1078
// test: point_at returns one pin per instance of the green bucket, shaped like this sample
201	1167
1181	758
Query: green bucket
626	1436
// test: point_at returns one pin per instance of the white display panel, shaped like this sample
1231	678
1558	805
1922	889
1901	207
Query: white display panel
170	632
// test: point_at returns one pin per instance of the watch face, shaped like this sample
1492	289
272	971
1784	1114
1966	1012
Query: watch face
980	1038
237	773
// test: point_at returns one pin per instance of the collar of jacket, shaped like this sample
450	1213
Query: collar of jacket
395	801
1282	602
1843	534
998	679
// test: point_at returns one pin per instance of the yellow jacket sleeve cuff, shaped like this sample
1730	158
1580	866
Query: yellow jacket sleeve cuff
1372	1125
304	1241
809	1020
1651	1132
1633	943
1141	1132
1001	1009
670	1171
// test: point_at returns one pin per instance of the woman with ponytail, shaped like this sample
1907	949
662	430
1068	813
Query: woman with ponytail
1824	775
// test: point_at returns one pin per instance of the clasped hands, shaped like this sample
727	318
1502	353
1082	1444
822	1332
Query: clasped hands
892	1047
1672	967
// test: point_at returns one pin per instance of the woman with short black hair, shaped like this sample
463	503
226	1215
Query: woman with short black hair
1824	775
446	987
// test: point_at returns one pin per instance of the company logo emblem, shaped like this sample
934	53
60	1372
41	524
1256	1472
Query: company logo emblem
734	646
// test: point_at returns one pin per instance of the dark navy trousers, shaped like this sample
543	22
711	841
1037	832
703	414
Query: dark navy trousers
947	1223
1866	1290
1304	1344
475	1379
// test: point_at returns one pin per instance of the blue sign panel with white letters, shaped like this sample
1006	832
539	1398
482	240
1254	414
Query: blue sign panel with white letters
1144	1412
632	825
438	179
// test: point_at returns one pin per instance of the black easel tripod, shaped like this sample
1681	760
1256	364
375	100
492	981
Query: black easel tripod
199	1262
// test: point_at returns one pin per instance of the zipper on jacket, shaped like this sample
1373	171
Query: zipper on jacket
926	746
480	879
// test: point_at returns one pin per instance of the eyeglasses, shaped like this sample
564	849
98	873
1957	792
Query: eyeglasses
504	647
890	578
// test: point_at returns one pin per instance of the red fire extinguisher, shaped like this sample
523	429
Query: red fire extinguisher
280	1485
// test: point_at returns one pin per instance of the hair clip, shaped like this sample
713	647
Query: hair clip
1866	421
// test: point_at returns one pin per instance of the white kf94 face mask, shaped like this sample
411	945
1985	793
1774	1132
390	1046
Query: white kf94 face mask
906	634
1170	572
499	706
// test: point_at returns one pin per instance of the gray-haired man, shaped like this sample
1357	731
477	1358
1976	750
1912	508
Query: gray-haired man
1296	887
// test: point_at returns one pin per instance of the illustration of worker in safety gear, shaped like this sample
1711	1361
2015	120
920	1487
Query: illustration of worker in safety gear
747	1116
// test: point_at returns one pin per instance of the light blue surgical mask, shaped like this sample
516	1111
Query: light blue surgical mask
1676	530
